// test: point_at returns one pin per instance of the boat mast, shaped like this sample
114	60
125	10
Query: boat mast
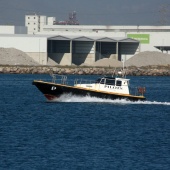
123	71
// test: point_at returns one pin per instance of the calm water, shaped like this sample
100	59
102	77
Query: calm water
83	133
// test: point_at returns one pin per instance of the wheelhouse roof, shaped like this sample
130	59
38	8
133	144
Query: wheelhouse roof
113	78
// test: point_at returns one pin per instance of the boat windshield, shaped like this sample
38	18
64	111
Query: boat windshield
100	80
106	80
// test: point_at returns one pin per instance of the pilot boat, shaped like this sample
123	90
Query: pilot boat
105	87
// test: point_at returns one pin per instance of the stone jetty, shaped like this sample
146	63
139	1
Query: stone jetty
69	70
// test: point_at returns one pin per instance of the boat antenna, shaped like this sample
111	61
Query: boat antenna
114	72
123	71
123	63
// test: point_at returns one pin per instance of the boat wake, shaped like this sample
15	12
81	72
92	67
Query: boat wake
73	98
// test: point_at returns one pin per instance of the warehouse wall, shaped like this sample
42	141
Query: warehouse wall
79	59
6	29
61	58
83	52
155	39
39	57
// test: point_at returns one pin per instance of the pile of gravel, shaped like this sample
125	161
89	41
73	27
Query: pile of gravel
148	58
12	56
107	62
142	59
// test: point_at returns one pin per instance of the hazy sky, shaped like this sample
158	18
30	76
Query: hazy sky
89	12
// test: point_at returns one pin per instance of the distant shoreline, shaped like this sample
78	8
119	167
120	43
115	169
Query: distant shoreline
159	70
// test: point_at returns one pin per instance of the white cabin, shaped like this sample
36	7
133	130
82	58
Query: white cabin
107	84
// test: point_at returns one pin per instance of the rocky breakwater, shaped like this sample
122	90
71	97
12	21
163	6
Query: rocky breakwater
149	71
132	71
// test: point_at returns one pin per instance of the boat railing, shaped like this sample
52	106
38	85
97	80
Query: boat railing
137	91
56	78
62	79
83	81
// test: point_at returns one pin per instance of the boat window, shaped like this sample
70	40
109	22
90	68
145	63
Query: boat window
118	83
110	81
102	81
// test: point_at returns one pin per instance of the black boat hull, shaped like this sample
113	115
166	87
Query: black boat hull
53	90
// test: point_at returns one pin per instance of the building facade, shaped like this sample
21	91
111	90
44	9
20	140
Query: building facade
35	23
116	42
78	44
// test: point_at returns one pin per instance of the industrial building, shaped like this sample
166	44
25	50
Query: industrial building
11	29
77	44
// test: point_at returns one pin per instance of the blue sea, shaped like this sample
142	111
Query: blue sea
79	133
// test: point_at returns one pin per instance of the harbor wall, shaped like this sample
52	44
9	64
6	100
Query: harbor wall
131	71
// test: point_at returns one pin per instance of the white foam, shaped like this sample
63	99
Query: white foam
73	98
